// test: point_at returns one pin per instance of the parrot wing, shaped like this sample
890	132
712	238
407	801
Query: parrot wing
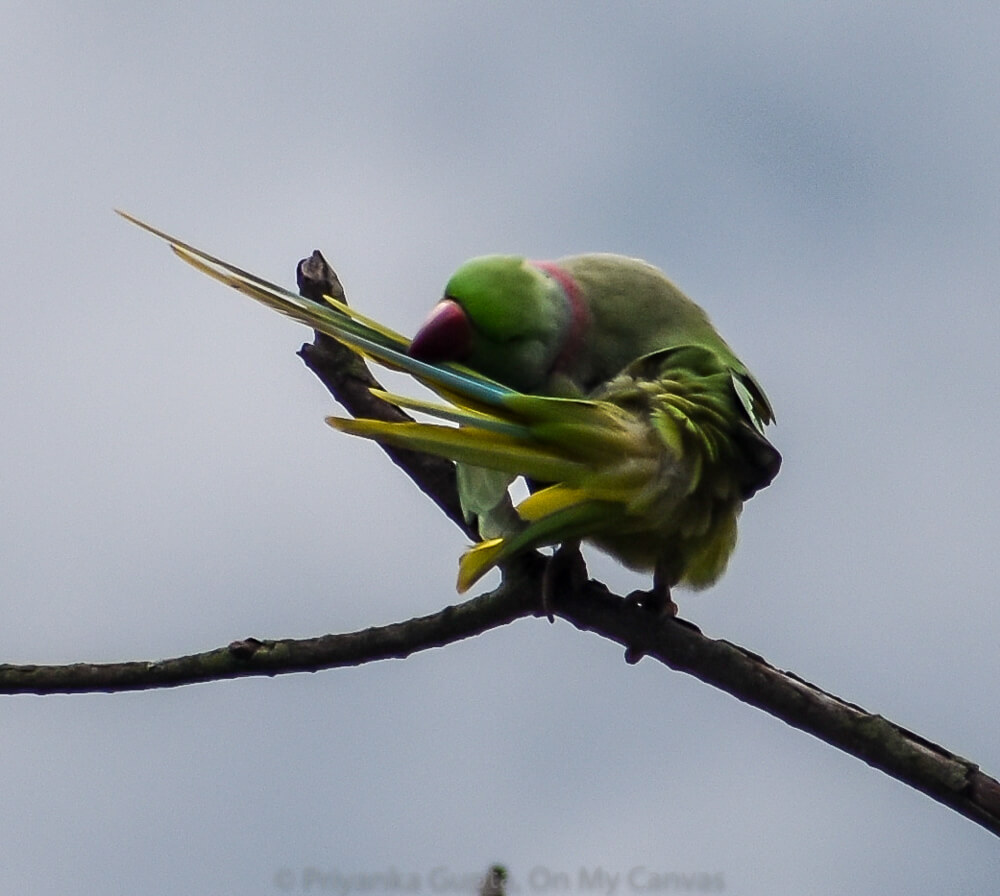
654	468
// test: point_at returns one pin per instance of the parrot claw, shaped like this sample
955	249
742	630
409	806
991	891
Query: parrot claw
656	601
566	569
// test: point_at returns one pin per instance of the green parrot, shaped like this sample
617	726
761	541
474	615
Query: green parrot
596	379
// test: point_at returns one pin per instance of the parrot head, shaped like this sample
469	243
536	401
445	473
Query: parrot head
501	315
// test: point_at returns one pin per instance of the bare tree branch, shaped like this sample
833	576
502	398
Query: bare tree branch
908	757
350	382
514	599
950	779
947	778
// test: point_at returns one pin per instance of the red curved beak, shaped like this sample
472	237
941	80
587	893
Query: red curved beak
446	335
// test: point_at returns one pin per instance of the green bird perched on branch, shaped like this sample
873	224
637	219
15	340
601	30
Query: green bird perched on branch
594	378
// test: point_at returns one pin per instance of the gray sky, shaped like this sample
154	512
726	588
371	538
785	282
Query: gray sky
822	178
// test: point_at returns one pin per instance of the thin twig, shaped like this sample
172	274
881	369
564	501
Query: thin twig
350	382
252	656
948	778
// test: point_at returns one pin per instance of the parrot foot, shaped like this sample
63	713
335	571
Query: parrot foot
566	570
656	601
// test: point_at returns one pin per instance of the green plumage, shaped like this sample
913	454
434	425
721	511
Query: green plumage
593	377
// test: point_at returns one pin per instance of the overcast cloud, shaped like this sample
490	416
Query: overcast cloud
824	179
